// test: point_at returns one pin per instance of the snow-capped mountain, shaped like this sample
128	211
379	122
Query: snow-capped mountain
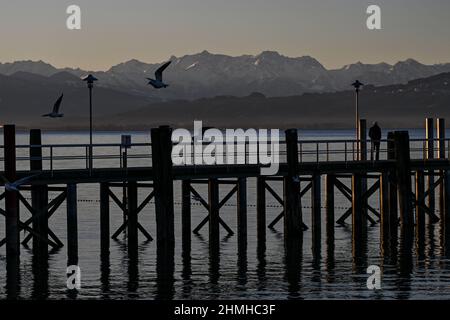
206	75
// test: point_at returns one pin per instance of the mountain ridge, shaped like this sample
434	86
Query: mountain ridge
206	74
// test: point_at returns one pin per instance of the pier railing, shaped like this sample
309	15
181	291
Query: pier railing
76	156
350	150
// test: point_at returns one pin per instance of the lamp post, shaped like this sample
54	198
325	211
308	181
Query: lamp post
357	85
90	79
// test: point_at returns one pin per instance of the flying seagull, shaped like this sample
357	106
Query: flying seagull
14	186
55	113
158	83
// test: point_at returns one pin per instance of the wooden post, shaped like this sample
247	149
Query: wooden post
39	197
186	215
72	225
385	226
420	212
446	217
429	156
401	139
104	220
316	210
261	210
357	213
440	124
132	219
242	214
12	213
441	138
214	231
124	188
330	182
393	196
292	202
163	186
11	198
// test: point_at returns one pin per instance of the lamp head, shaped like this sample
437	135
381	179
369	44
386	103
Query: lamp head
90	79
357	84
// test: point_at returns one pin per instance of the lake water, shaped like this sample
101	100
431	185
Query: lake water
257	276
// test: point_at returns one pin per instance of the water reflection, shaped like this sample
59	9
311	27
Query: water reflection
39	266
330	263
242	268
330	247
410	267
165	268
214	268
105	274
12	278
360	251
187	273
261	267
405	268
293	265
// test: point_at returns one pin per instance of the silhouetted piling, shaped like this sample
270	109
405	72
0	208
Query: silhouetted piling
186	215
39	197
429	129
242	230
11	198
385	223
393	196
72	224
292	201
213	200
12	213
358	230
124	189
316	209
261	211
163	186
440	124
420	212
330	210
403	168
446	215
132	218
104	219
242	214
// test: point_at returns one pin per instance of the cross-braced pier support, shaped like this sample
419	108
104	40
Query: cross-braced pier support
401	203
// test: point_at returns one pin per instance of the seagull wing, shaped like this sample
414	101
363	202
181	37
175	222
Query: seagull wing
24	180
57	104
159	72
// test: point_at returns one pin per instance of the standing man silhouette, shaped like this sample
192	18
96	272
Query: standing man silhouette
375	137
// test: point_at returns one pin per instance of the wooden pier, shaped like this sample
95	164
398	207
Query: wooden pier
406	180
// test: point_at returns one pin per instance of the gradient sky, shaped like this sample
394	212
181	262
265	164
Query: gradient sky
332	31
